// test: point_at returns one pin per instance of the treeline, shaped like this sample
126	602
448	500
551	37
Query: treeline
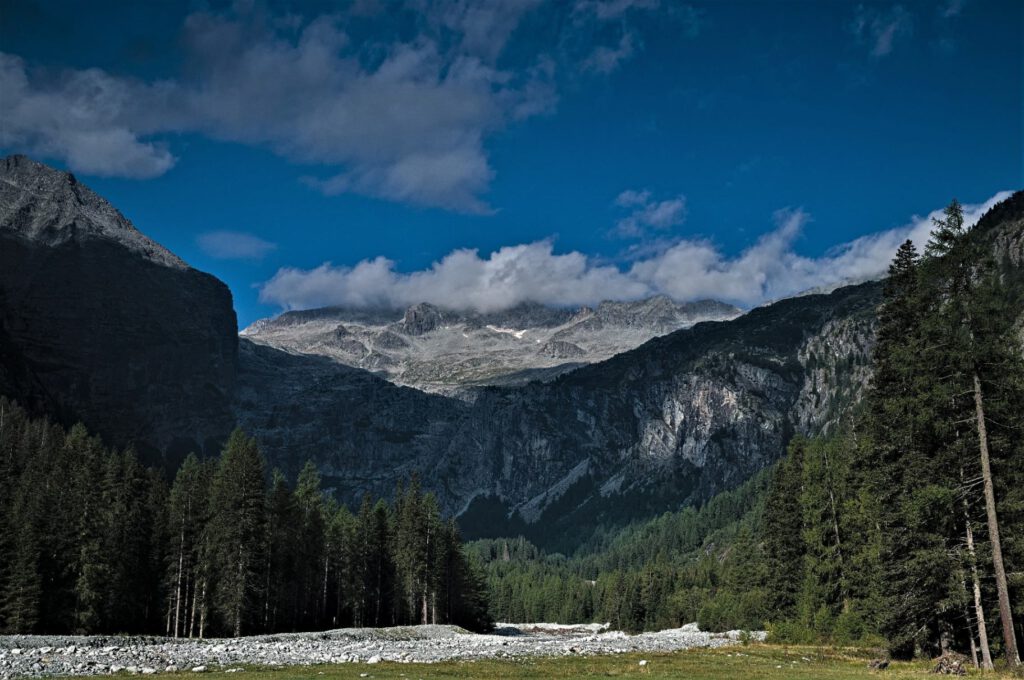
912	525
92	542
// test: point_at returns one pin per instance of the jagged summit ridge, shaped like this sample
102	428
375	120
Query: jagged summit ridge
50	207
444	350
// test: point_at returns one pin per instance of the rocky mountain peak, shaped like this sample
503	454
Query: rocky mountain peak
51	207
421	318
107	325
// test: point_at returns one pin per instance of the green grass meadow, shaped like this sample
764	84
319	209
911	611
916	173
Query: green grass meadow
755	662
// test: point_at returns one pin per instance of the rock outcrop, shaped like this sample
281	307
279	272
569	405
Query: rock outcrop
109	327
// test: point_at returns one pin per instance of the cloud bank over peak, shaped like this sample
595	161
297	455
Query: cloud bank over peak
683	270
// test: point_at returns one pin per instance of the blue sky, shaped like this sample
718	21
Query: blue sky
584	150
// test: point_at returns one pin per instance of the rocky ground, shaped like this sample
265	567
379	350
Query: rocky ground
23	656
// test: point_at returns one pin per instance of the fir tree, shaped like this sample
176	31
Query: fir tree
235	533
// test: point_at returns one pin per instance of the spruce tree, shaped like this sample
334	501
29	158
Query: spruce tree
235	533
312	559
783	533
970	318
187	505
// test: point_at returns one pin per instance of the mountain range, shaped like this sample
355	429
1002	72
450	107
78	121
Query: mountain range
539	421
447	351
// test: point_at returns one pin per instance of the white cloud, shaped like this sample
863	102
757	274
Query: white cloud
648	214
81	117
684	270
404	120
463	279
395	101
234	245
879	29
632	197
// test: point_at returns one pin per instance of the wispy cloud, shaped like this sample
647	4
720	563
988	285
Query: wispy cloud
879	28
684	270
234	245
605	60
647	214
605	32
951	8
400	119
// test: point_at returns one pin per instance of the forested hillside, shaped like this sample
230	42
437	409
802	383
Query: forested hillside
93	542
907	526
693	565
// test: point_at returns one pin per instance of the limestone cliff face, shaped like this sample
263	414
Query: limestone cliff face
109	327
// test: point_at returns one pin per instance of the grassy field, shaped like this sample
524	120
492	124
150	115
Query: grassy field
755	662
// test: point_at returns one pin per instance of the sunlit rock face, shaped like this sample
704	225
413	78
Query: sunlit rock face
452	352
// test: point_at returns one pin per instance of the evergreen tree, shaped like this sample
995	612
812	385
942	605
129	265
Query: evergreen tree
235	533
969	319
783	533
187	510
311	556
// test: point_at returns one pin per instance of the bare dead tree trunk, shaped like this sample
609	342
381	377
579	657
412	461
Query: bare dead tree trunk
979	609
835	529
239	599
1005	613
323	598
177	585
974	646
168	629
266	592
202	611
190	589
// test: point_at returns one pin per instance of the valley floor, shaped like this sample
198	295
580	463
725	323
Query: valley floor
757	662
48	656
427	652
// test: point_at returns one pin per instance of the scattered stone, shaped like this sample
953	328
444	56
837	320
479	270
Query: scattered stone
878	664
411	644
643	662
950	663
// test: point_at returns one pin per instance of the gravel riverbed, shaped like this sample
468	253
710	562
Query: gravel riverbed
26	656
